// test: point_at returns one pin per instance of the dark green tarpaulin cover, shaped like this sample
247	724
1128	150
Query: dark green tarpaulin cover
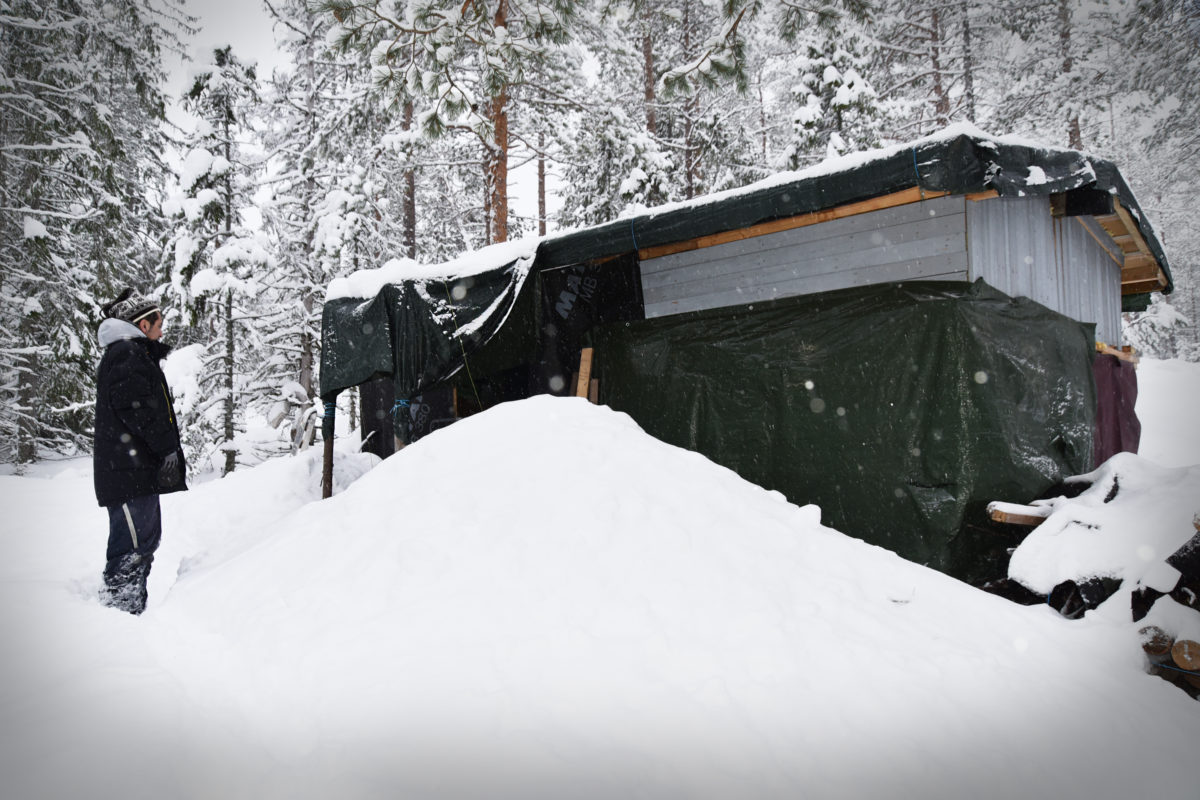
417	331
900	410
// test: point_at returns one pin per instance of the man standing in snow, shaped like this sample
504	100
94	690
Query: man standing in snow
137	454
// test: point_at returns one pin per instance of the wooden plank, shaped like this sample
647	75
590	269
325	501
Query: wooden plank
1141	287
1103	239
594	391
975	197
1139	267
1014	514
912	195
1131	227
1125	353
585	372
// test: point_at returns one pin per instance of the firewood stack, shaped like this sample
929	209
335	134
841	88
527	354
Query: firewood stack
1177	661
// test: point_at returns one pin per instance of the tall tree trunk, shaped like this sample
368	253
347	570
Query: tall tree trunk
941	98
541	190
230	454
968	62
689	155
648	78
496	153
1074	134
307	345
410	192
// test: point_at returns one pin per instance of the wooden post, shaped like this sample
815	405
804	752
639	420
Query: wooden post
327	435
585	372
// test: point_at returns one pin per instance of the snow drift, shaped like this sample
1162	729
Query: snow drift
542	601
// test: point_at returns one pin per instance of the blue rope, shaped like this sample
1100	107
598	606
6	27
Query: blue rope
399	405
1177	669
633	233
916	169
331	409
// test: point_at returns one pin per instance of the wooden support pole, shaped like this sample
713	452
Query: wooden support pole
327	429
585	372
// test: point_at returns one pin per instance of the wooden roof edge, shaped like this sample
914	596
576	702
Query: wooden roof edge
1141	271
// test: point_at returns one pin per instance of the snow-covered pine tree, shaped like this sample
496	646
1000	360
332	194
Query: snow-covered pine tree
1162	80
834	108
80	107
218	261
927	68
457	63
1056	63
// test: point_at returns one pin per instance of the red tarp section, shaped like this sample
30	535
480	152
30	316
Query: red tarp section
1118	429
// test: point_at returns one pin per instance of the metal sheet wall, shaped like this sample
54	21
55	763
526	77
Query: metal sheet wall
1019	248
924	241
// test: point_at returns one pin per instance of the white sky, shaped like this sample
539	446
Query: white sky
247	26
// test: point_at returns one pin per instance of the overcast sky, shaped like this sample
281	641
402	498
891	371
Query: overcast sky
245	24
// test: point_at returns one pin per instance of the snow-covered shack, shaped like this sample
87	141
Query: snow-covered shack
899	336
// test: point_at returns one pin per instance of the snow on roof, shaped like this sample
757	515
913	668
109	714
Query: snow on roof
366	283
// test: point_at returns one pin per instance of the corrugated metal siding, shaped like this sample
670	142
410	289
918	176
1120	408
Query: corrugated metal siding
1018	247
924	240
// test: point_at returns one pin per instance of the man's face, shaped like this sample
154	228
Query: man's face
152	327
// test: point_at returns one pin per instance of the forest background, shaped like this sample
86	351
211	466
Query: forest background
395	126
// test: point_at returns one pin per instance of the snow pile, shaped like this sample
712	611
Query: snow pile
542	601
1132	517
1136	511
1167	393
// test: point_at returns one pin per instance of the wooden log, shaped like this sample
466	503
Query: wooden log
1186	655
1156	641
585	372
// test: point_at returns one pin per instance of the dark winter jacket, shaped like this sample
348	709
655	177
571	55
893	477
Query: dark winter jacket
135	421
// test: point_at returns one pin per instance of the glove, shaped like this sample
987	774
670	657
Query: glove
170	474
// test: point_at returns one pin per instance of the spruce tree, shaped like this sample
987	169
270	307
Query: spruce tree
80	114
218	263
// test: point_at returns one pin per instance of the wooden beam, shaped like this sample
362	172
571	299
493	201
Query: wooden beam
1125	353
585	372
1131	227
1142	287
1090	227
1138	267
1013	514
975	197
905	197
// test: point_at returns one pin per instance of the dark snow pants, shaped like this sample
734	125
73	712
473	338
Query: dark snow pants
134	531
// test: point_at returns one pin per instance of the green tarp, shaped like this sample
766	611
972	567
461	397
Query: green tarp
900	410
418	331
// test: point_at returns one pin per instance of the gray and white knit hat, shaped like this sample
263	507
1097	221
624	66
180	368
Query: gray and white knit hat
131	307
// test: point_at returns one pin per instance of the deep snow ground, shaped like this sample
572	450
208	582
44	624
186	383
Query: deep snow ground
541	601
